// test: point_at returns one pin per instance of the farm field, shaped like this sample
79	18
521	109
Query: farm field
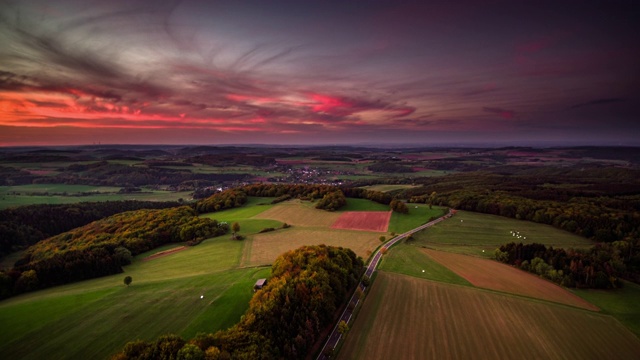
418	214
402	259
489	274
363	220
265	248
297	213
621	303
363	205
95	318
410	318
470	233
389	187
11	196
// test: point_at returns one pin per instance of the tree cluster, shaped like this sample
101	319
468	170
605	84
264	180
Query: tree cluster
24	226
332	201
104	246
227	199
360	193
602	266
399	206
284	320
298	191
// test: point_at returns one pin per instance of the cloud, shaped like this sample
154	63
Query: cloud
598	102
505	114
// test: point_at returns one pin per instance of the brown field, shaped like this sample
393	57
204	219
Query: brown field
410	318
266	247
296	213
493	275
164	253
363	220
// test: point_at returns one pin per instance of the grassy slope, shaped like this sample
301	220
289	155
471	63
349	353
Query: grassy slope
95	318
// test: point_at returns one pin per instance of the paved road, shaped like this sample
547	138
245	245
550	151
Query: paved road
335	336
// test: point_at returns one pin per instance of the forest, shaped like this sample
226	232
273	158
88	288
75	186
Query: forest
284	320
23	226
102	247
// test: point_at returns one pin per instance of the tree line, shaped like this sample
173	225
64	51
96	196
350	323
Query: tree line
284	320
24	226
601	266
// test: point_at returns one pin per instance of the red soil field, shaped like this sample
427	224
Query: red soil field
363	220
164	253
493	275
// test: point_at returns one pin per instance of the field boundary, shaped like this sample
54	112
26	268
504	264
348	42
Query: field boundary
165	253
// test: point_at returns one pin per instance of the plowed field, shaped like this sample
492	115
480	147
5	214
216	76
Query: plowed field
363	220
409	318
493	275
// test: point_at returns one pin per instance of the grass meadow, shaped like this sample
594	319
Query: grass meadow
409	318
470	233
623	304
418	214
94	319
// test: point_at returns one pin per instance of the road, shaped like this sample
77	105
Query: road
335	336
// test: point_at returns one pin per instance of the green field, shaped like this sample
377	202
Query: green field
623	304
470	233
363	205
11	196
95	318
406	260
418	214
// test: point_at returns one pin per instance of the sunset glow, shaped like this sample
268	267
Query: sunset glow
326	72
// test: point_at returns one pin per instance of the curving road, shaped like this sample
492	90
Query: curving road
335	336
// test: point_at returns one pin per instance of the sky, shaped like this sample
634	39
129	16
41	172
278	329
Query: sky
320	72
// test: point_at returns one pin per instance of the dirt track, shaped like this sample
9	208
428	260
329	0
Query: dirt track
164	253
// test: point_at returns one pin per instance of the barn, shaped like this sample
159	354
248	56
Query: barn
259	284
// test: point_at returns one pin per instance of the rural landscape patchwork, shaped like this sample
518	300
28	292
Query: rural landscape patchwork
319	179
152	252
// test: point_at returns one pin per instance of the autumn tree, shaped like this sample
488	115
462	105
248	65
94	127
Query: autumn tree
343	327
235	227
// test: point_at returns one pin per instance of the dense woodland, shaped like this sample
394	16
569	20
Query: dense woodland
602	266
104	246
24	226
284	319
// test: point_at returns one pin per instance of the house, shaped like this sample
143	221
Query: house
259	284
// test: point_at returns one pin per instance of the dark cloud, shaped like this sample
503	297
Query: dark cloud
599	102
320	69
